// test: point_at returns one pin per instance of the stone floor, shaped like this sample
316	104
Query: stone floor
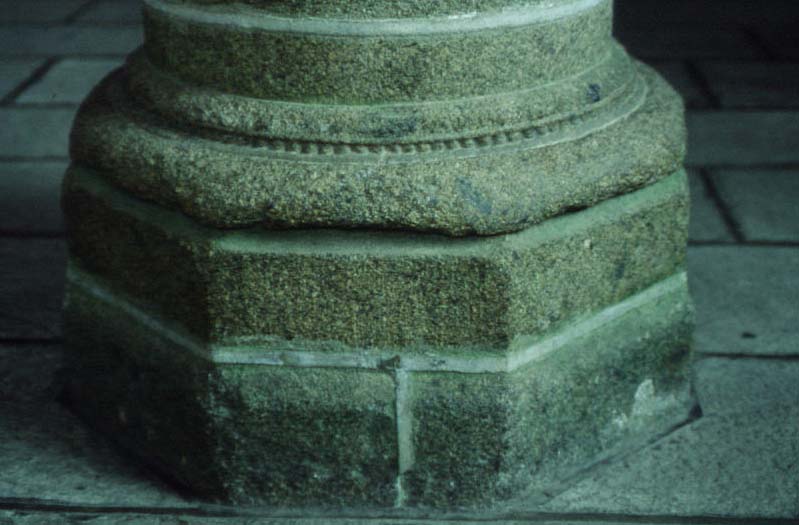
737	64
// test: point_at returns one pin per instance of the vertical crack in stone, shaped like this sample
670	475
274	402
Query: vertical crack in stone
404	431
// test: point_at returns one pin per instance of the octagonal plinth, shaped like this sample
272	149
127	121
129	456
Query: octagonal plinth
378	253
364	369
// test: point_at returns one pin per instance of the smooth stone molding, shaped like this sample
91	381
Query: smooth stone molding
236	49
486	184
357	9
296	434
337	291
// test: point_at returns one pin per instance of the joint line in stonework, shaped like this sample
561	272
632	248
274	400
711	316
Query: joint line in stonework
254	354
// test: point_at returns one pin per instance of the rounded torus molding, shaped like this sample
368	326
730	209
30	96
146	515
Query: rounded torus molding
299	114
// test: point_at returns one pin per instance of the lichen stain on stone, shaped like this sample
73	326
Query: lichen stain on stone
646	404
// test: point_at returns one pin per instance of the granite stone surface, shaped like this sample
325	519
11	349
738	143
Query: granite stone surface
478	187
408	292
435	260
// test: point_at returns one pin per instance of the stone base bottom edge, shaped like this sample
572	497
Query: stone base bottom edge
347	438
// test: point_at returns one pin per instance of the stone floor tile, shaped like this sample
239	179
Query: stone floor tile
47	453
687	41
753	84
746	299
35	132
37	11
68	40
31	288
678	76
113	11
707	224
732	465
14	71
28	372
736	385
765	204
69	81
724	138
30	197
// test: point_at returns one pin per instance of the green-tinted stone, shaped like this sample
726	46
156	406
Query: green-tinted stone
375	62
244	434
479	438
335	290
476	187
376	8
365	338
610	88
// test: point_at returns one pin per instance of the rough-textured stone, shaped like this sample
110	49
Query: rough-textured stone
339	289
359	434
377	61
278	435
481	437
370	254
476	188
375	8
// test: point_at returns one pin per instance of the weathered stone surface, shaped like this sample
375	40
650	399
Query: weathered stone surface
374	60
473	185
333	290
278	435
321	366
375	8
317	356
483	437
344	430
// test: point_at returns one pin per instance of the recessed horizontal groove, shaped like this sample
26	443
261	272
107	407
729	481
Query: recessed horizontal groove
254	19
258	352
